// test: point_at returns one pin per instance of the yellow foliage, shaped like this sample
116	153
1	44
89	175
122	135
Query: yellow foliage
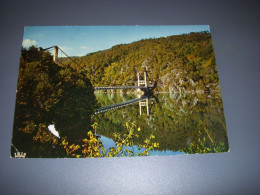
92	147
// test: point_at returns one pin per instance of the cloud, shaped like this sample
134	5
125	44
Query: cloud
28	42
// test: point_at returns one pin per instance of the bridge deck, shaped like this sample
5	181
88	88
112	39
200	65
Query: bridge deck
122	87
118	105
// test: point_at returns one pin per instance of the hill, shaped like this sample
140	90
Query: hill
177	63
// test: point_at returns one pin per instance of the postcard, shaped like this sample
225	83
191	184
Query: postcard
117	91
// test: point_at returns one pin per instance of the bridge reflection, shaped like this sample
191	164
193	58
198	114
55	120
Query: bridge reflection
143	102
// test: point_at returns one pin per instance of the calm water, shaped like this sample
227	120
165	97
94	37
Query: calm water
176	121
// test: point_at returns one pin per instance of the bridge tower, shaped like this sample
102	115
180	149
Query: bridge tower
144	103
55	55
142	82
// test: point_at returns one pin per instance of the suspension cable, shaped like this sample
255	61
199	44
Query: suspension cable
110	83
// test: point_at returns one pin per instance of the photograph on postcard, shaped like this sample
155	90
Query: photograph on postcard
117	91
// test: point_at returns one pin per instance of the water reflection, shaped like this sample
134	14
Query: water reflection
143	102
108	143
180	123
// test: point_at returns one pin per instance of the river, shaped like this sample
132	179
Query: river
172	124
175	120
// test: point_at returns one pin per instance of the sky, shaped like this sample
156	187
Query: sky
81	40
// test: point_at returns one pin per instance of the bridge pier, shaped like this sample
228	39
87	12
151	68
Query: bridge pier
144	104
142	82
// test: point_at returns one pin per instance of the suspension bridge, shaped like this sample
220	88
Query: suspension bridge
141	84
143	102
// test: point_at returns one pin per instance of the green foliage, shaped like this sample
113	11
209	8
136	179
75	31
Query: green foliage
177	63
48	93
201	147
43	135
34	54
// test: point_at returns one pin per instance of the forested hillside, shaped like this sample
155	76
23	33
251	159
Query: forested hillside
177	63
49	94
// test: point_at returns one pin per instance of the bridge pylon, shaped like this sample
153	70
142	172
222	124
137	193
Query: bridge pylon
55	55
144	103
142	82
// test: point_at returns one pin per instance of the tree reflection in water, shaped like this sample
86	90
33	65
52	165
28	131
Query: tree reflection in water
179	123
187	123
